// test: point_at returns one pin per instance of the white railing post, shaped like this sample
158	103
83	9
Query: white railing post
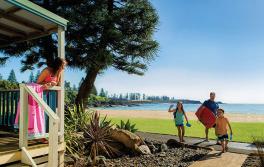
23	123
53	143
53	157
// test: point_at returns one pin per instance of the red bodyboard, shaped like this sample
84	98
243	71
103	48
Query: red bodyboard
206	116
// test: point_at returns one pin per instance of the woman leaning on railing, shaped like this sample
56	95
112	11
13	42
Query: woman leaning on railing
49	77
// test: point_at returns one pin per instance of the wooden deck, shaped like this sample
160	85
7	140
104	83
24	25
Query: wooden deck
10	152
9	142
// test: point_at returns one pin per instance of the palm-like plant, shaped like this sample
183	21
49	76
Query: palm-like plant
127	126
74	122
97	137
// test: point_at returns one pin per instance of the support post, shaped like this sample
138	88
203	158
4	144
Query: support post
23	123
61	54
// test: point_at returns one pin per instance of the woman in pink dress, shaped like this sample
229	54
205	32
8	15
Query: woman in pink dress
49	77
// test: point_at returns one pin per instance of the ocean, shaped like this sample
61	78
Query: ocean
229	108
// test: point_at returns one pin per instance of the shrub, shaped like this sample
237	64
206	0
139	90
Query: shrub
70	96
97	137
259	142
5	85
94	100
74	122
127	126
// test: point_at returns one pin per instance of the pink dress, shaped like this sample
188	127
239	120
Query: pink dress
50	78
36	116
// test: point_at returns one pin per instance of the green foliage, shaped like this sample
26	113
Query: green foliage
259	142
102	93
70	94
73	124
1	77
127	126
97	137
97	100
12	77
7	85
76	120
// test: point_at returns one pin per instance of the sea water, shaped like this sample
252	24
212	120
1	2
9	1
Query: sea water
229	108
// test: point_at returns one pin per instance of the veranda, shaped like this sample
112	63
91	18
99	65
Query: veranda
22	20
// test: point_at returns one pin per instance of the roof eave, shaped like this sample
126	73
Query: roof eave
33	8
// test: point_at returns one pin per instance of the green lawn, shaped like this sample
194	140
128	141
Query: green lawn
242	132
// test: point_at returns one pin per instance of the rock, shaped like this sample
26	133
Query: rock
172	143
152	147
163	147
143	149
129	139
162	154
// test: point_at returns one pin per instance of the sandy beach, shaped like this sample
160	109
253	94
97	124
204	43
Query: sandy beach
166	115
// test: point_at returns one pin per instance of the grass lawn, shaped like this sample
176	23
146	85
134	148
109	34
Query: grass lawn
242	132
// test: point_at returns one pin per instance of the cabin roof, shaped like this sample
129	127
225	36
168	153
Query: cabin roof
22	20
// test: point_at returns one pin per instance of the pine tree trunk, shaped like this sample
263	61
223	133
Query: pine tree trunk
85	89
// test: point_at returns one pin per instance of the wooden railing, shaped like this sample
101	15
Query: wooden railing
8	108
9	102
23	126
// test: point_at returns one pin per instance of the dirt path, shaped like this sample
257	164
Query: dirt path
221	160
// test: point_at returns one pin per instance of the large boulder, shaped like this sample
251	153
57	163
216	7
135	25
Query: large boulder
129	139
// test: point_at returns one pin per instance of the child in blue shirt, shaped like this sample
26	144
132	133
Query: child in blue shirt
179	115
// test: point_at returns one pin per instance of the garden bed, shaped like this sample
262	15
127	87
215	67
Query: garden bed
252	161
173	157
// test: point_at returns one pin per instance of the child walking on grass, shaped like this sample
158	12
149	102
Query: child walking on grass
179	115
221	129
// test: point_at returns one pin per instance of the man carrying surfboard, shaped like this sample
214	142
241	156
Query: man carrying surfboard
212	106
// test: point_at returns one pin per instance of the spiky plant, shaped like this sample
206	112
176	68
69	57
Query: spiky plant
75	119
97	137
74	122
127	126
259	142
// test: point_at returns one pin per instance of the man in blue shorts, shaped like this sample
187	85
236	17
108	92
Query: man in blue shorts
213	106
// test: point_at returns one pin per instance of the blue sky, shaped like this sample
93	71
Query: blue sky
205	46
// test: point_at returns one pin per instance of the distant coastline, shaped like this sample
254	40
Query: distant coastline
129	103
229	108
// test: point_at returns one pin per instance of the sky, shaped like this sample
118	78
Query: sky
205	45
